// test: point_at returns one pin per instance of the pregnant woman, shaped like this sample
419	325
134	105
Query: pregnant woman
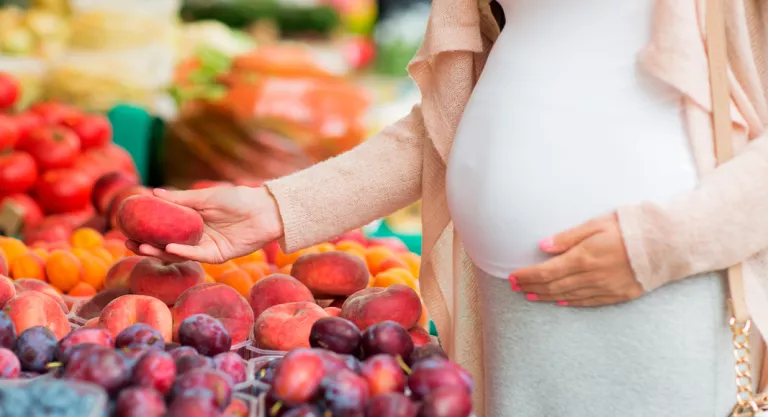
571	157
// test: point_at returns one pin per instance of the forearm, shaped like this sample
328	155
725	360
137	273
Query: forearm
719	224
376	178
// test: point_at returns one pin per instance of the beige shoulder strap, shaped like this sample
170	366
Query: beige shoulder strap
722	125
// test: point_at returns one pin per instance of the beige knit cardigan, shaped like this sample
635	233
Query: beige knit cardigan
720	223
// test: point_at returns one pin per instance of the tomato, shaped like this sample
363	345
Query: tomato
32	211
52	147
116	158
93	130
360	52
55	113
25	123
52	229
10	91
64	190
9	132
18	172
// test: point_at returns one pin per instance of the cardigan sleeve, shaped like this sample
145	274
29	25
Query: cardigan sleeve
722	222
374	179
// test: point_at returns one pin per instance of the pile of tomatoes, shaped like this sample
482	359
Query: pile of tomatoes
51	154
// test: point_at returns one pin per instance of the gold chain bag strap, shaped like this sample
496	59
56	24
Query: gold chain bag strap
747	405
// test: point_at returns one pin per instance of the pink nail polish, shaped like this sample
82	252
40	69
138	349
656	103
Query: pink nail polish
532	297
562	303
512	280
160	190
547	244
516	288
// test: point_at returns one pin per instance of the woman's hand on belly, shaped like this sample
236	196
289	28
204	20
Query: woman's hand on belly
590	268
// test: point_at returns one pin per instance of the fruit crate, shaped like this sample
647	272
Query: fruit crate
98	409
254	352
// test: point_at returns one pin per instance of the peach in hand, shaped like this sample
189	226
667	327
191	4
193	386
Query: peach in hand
165	281
128	310
286	326
158	222
331	274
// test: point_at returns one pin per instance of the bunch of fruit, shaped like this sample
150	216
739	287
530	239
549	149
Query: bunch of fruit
51	155
394	379
143	373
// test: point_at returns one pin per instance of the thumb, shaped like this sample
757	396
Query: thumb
192	198
564	241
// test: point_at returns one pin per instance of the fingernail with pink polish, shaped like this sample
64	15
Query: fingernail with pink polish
512	280
562	303
532	297
547	244
160	190
516	288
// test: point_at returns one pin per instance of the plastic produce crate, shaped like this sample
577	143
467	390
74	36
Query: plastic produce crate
97	396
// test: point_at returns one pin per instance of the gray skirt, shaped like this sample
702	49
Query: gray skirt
667	353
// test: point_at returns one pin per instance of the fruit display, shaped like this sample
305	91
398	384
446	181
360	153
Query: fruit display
35	32
378	372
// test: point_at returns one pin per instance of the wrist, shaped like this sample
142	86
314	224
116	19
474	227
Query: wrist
268	212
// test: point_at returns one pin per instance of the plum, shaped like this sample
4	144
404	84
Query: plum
7	331
182	351
10	367
392	404
334	363
85	335
206	334
133	354
231	364
431	374
189	362
387	337
192	407
35	348
383	374
140	334
140	402
155	370
344	393
335	334
103	367
447	402
430	351
266	372
298	378
171	346
77	352
208	383
304	410
237	408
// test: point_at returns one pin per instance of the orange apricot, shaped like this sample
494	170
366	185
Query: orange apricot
28	265
117	249
12	248
86	238
324	247
103	254
414	262
63	270
396	276
256	270
94	269
82	289
215	270
258	256
375	256
237	279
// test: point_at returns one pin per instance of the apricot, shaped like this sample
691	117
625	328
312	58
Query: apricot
413	261
3	264
12	248
237	279
125	311
219	301
256	271
331	274
63	269
158	222
258	256
277	289
398	303
164	281
28	265
94	269
42	287
216	270
7	290
31	309
86	238
395	276
119	274
82	289
286	327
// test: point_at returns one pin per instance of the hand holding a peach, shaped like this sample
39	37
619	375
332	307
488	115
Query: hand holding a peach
236	221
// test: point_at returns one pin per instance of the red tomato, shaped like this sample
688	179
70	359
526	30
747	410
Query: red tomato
25	123
18	172
93	130
64	190
33	213
9	132
117	158
10	90
52	147
55	113
360	52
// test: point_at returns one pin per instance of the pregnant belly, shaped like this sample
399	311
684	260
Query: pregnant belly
519	173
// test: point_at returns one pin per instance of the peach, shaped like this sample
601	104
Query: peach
3	264
121	195
419	336
333	311
31	308
286	327
95	305
353	235
128	310
331	274
164	281
277	289
94	322
115	234
31	284
338	302
219	301
393	243
398	303
158	222
270	250
119	274
7	290
107	186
